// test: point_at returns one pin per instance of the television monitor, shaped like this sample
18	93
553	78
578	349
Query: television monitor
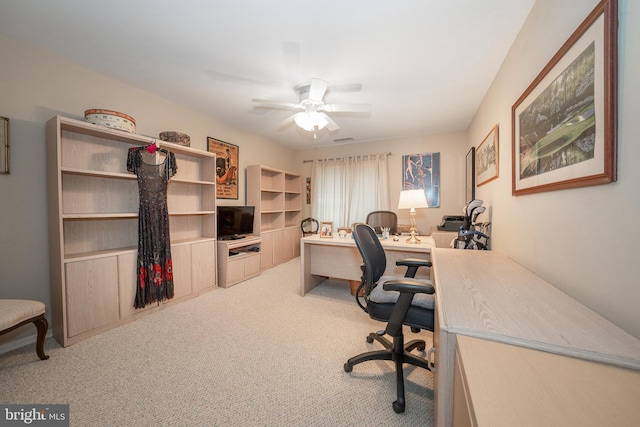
234	222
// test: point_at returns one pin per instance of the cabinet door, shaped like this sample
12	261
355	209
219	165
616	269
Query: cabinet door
252	265
203	265
266	250
235	269
279	250
92	294
181	260
292	242
128	284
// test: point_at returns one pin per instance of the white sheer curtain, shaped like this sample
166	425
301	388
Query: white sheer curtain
346	189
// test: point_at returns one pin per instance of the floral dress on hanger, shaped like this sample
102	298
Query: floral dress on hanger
155	270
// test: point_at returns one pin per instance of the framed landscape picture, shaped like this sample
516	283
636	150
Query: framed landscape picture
487	158
226	168
564	124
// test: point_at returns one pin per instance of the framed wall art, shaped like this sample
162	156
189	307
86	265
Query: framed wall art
326	229
226	168
422	171
4	145
470	176
487	167
564	124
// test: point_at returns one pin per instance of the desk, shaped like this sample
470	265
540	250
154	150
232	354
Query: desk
338	257
486	295
500	385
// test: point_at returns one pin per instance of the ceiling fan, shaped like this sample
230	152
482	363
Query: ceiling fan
312	115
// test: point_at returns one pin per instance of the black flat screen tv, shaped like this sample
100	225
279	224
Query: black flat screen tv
234	222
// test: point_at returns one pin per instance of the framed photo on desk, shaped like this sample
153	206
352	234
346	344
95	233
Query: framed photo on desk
326	229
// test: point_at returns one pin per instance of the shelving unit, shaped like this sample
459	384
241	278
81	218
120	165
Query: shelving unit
238	260
277	196
93	219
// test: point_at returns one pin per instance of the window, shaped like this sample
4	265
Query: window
345	190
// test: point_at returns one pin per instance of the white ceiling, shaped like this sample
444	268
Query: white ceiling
424	65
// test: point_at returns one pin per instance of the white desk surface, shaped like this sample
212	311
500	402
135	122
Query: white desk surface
509	386
487	295
425	245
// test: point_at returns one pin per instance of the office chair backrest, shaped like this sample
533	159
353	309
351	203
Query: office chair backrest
373	256
379	219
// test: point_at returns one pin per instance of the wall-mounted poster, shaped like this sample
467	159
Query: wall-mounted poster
226	168
423	171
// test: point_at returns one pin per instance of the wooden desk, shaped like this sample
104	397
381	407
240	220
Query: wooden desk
500	385
338	257
487	295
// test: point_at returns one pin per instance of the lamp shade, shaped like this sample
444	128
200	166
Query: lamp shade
411	199
310	120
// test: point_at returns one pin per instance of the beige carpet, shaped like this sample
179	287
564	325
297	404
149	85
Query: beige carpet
256	354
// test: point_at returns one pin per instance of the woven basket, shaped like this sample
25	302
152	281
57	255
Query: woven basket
176	137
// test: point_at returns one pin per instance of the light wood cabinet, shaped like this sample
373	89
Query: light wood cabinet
277	196
238	260
501	385
93	226
487	295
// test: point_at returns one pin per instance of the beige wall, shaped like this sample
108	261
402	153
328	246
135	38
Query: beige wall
585	241
452	149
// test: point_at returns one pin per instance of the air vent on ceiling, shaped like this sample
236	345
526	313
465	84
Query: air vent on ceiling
343	140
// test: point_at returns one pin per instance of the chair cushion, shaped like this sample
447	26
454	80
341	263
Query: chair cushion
379	295
14	311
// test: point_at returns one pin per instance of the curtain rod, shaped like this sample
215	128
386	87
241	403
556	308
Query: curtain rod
349	157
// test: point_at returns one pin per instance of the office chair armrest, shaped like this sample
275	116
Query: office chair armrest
412	265
408	286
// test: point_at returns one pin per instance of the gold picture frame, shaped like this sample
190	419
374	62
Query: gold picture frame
564	124
227	165
487	160
4	145
326	229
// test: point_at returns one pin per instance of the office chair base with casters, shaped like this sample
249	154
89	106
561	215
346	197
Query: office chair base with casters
399	301
397	352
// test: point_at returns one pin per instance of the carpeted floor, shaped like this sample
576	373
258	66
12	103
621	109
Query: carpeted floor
256	354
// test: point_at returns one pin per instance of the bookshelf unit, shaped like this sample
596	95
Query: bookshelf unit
277	196
93	226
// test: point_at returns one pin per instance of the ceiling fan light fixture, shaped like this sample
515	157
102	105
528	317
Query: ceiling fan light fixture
310	120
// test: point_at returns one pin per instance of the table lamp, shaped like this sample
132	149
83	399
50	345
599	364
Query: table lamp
412	199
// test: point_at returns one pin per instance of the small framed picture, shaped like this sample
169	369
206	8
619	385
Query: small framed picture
4	145
326	229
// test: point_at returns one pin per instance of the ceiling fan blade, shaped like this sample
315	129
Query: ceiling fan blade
318	89
348	108
276	104
349	87
331	125
286	122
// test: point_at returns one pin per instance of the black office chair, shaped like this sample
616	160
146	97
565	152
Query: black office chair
309	226
379	219
396	300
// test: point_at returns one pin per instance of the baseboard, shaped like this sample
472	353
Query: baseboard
21	342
